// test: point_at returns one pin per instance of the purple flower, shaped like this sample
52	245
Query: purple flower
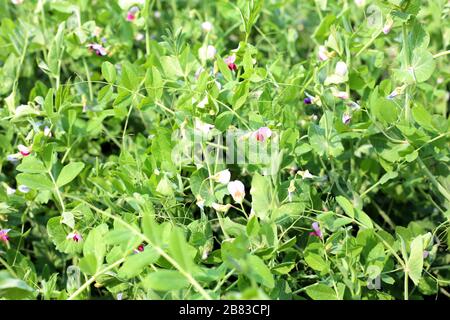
426	254
98	49
317	232
307	100
346	118
4	235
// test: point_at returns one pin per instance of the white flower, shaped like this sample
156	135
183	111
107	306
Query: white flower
47	132
200	202
341	69
221	207
198	72
388	25
222	176
237	190
17	2
305	174
323	53
204	128
360	3
10	191
291	190
139	36
13	157
21	108
157	14
202	103
207	53
354	105
25	151
97	31
23	188
341	95
207	26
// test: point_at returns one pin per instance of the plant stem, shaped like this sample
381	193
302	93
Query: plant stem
160	251
440	54
406	290
92	279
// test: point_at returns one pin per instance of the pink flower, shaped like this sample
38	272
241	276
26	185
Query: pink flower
230	62
98	49
317	232
25	151
4	235
131	15
262	134
75	236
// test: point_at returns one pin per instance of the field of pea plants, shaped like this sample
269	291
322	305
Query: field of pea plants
226	149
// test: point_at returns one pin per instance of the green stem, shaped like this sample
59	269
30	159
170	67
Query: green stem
440	54
406	290
433	179
160	251
63	207
92	279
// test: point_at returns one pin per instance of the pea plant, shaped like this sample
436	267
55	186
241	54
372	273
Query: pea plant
230	149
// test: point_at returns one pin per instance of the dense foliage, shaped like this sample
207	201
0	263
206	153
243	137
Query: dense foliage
98	100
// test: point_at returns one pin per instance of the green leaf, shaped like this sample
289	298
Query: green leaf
180	250
69	172
354	213
260	272
421	68
135	263
35	181
31	164
226	72
316	262
68	219
423	118
14	289
109	72
415	260
346	205
322	31
388	176
385	110
94	250
224	120
172	67
260	191
165	280
321	292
